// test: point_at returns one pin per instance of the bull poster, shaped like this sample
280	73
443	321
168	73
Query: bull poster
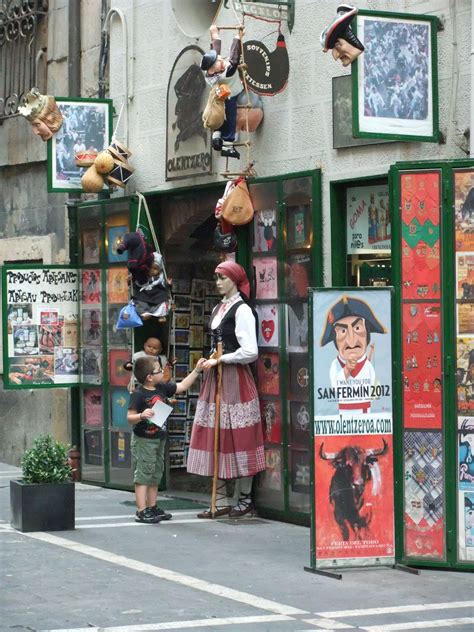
352	427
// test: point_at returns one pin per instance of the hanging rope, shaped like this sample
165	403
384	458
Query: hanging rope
249	170
143	203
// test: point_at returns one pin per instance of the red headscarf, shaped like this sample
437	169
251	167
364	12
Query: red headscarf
235	273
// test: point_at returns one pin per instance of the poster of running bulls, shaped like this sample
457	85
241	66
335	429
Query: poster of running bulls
352	428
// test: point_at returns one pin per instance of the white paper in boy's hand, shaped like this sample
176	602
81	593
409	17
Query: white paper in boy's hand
161	412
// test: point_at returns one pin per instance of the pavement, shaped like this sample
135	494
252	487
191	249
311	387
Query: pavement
112	574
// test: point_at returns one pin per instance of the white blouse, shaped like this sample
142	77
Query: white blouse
244	331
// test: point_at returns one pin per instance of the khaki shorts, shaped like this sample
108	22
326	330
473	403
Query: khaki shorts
148	460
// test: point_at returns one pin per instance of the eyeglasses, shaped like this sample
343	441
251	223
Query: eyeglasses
157	372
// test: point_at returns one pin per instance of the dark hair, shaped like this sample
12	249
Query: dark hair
143	367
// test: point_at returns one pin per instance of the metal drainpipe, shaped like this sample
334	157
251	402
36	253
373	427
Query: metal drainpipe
74	90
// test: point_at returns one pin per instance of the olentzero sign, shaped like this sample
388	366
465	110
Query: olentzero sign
187	140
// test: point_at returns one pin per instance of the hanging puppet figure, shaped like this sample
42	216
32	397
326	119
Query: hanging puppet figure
43	113
153	298
339	37
224	71
140	256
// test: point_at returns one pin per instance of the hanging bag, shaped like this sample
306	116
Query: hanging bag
213	116
237	208
128	317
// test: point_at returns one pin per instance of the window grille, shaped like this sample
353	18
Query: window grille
19	47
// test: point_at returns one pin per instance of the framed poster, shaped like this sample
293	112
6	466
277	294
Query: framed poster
91	323
118	376
268	373
92	403
90	238
271	417
181	320
265	231
368	225
87	125
115	235
396	93
182	302
342	115
91	286
40	342
117	286
197	313
196	336
268	324
266	277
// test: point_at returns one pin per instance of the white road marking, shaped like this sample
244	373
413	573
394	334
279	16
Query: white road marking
175	513
329	624
393	609
169	575
112	525
423	625
181	625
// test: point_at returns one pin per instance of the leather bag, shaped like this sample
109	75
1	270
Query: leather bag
237	208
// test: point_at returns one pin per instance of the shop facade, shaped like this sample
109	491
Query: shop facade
329	212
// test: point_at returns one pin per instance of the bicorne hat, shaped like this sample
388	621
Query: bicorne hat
348	306
340	28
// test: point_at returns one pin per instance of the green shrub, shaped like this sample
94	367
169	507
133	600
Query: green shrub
46	462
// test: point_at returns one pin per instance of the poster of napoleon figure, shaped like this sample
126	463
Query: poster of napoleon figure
353	448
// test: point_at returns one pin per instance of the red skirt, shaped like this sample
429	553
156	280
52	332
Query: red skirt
241	451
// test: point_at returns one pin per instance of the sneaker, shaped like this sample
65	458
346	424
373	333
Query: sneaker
164	514
147	517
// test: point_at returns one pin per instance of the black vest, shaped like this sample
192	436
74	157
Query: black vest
225	332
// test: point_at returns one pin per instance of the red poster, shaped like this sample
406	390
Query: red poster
354	496
422	360
91	286
268	373
420	198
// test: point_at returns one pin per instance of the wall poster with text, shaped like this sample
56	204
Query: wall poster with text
368	220
422	364
352	427
464	270
40	340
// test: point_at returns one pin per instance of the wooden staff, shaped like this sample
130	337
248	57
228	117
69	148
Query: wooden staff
217	422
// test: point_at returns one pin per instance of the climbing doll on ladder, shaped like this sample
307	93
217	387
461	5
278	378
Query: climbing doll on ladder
224	72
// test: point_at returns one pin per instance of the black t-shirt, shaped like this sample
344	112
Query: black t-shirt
144	398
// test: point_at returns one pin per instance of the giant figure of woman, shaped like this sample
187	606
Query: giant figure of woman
241	451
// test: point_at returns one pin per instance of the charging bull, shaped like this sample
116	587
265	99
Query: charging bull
354	466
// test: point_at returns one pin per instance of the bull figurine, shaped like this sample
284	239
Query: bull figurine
346	492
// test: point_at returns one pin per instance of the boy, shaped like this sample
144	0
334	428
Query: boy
219	70
148	441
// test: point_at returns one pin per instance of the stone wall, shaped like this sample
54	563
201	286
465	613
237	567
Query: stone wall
33	222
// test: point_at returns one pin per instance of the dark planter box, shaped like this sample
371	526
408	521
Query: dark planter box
42	507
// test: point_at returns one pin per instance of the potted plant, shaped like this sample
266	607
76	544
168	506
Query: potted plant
43	500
